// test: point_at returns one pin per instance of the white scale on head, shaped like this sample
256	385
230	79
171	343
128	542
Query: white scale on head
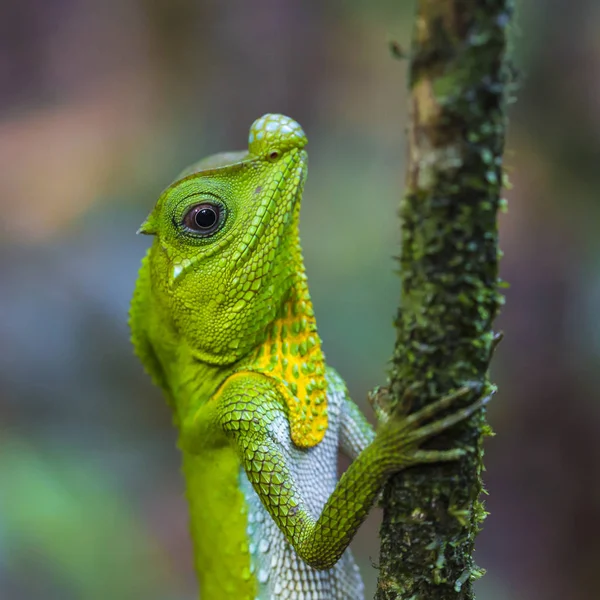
178	268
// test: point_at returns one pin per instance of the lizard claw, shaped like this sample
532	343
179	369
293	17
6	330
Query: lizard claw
402	437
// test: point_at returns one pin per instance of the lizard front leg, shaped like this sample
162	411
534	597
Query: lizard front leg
248	404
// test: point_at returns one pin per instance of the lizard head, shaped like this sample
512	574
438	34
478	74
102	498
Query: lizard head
226	249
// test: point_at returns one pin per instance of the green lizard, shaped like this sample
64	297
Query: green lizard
222	320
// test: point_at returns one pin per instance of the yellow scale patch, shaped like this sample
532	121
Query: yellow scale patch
292	356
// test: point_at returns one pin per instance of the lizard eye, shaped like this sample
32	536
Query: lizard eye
203	218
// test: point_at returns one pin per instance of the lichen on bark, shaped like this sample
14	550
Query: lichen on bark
449	268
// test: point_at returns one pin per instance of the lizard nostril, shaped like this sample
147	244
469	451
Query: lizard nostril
274	155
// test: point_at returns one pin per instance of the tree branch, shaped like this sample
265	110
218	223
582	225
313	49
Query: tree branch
449	269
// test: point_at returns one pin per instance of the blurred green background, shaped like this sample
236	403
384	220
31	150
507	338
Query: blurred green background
103	102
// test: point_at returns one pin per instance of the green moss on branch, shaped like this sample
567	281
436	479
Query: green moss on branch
449	269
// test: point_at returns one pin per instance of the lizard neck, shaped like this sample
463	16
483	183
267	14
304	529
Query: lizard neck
291	354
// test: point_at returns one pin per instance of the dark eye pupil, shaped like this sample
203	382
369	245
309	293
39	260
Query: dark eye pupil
205	218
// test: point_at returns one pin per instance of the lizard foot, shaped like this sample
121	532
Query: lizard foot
400	439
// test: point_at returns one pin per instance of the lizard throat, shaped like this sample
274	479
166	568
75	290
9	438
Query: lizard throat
291	355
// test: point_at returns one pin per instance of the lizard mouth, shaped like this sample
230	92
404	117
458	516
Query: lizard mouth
302	175
298	164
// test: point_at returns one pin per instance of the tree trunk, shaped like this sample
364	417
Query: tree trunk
449	270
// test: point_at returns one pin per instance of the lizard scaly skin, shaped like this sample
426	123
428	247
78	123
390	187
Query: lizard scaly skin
222	320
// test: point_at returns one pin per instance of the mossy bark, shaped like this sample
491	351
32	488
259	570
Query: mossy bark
449	270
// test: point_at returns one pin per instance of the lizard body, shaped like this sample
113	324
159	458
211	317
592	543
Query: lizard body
223	322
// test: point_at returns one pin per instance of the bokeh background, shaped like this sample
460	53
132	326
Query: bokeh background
102	102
